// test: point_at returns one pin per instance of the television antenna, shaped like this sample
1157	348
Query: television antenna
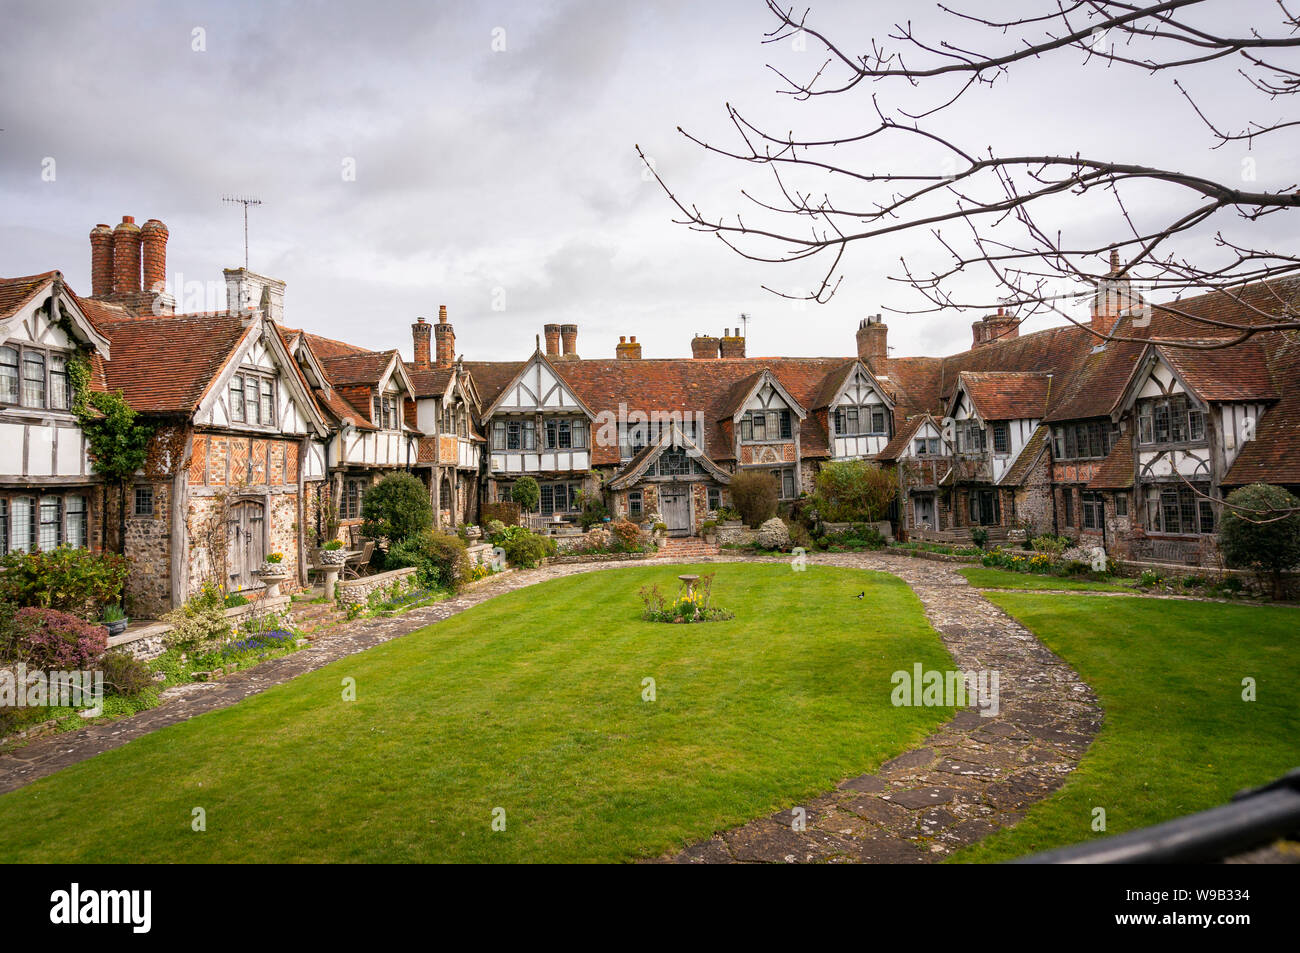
744	325
246	201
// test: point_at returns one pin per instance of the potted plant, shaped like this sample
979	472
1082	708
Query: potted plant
272	573
729	517
114	619
333	553
709	529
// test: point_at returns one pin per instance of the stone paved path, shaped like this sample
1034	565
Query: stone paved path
972	776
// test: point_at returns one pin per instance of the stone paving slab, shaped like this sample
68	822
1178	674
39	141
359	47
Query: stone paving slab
971	777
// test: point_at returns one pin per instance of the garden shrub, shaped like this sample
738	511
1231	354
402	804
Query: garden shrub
396	508
1260	531
440	560
526	493
124	674
853	491
1052	545
524	548
593	510
53	640
979	536
70	580
200	624
626	536
755	495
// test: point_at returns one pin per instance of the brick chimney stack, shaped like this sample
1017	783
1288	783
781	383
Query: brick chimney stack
1113	298
552	332
873	337
993	328
101	261
153	237
627	350
732	343
444	339
126	256
569	340
704	347
421	331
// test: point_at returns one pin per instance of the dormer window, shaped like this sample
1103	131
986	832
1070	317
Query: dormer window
759	425
1170	420
252	399
970	437
927	446
852	421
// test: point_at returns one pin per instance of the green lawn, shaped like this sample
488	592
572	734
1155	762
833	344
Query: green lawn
1006	579
531	702
1177	736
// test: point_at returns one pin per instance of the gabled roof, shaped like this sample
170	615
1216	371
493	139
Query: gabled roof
1238	373
672	437
1007	395
1116	471
492	377
903	437
17	294
1028	458
744	390
167	364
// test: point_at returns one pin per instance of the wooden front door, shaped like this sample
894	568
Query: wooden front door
245	544
924	512
675	508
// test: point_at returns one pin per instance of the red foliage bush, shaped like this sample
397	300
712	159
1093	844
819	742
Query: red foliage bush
627	535
54	640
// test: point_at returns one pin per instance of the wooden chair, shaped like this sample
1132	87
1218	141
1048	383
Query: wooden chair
352	569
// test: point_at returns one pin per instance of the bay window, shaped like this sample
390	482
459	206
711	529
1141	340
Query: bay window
1180	509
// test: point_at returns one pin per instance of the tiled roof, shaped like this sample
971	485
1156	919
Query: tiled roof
327	347
1008	395
166	365
429	381
1116	471
902	436
16	292
1029	455
1240	372
689	386
364	367
492	377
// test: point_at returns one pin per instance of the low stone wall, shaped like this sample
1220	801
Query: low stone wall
564	560
480	554
736	535
883	527
354	592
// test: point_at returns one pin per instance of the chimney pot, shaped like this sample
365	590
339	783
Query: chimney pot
872	339
126	257
552	332
444	340
569	340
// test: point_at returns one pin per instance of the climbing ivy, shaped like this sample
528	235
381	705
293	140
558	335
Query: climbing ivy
119	441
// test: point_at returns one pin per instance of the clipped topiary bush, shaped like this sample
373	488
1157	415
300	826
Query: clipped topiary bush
755	495
1260	531
396	508
773	534
526	493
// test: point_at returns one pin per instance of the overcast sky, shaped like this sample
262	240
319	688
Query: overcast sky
495	169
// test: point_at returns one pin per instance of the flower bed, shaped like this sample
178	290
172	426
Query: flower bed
693	603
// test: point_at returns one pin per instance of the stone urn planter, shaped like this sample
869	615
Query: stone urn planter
334	557
272	574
